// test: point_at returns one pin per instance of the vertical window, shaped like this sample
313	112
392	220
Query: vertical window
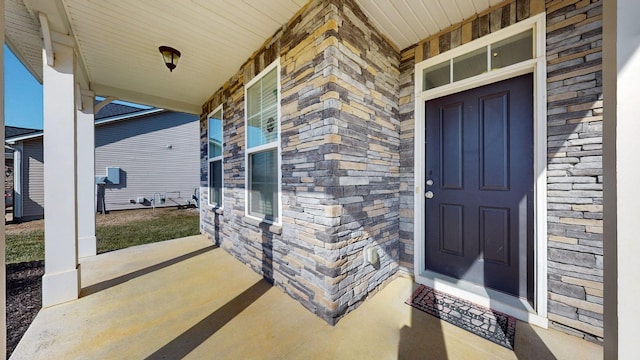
263	141
215	157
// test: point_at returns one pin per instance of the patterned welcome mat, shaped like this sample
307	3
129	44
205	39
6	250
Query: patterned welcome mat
489	324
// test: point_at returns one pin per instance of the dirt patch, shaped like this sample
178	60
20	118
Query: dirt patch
24	299
111	218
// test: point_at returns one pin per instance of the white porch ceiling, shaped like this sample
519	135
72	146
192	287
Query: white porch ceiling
406	22
118	39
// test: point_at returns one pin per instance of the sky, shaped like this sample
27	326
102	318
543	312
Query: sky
22	94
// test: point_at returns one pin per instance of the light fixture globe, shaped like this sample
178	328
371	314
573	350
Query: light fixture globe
170	56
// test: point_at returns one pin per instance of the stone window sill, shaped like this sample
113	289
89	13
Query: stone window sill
264	226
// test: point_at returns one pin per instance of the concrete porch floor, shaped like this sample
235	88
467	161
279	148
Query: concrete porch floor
185	298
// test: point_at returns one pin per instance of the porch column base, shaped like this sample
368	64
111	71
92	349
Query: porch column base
87	247
60	287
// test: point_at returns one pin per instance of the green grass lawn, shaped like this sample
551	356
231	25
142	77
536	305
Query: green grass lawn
29	246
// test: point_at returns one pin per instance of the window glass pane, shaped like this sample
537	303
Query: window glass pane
215	135
436	75
262	111
263	128
263	184
269	125
513	50
471	64
254	133
253	99
269	88
215	182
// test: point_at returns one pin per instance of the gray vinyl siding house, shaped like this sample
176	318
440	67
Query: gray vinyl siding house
31	195
9	132
157	154
155	150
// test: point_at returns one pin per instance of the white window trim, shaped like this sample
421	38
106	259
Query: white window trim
508	304
272	145
210	160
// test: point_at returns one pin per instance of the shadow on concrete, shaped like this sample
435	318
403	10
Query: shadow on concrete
529	345
181	346
424	338
124	278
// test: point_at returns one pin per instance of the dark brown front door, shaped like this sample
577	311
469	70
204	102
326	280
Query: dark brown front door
479	170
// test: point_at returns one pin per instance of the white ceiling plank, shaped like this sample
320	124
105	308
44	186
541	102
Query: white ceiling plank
450	9
438	15
481	5
242	16
414	19
466	8
267	8
397	16
427	13
379	14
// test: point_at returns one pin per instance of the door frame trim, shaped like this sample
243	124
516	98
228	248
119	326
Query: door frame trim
508	304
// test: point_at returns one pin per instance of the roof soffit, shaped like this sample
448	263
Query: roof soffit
118	40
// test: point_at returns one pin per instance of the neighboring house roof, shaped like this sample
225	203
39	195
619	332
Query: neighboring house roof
115	109
110	113
13	131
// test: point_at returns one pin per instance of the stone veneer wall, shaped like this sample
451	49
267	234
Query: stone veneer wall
406	100
574	140
574	134
366	158
340	161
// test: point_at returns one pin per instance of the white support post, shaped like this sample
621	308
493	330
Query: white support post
86	178
61	281
3	316
621	74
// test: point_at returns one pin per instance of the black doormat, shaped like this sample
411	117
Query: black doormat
484	322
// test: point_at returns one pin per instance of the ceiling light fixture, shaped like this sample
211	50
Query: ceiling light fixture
170	56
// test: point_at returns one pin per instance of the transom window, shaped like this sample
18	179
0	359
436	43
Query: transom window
497	55
263	142
215	158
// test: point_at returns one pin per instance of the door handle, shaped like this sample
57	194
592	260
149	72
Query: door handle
428	194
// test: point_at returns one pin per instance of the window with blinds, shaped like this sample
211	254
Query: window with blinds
263	140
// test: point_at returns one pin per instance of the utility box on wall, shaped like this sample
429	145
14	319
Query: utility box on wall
113	175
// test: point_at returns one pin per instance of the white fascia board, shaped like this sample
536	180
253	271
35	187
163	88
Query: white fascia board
129	116
29	136
146	99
